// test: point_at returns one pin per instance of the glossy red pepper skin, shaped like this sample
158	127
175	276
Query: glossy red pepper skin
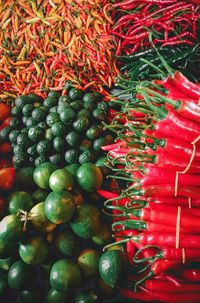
166	208
176	126
191	274
189	222
176	254
173	162
161	266
186	86
168	287
168	297
168	240
152	227
7	178
177	147
156	175
138	296
189	110
168	190
172	201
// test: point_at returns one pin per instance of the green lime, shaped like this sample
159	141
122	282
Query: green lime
64	275
19	200
89	177
86	221
34	250
59	207
112	267
67	243
55	296
21	276
86	297
87	156
31	296
39	220
88	261
104	236
42	174
93	132
61	179
72	168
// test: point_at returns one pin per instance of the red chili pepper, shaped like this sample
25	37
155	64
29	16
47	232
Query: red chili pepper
168	287
150	226
173	125
171	201
189	222
167	240
7	178
185	108
184	202
165	207
158	175
161	266
191	274
138	296
167	160
166	190
176	147
177	254
4	111
186	86
192	297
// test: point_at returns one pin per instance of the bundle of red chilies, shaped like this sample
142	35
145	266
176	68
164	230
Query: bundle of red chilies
156	215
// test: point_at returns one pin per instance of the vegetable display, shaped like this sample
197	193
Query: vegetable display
40	131
156	158
99	151
46	43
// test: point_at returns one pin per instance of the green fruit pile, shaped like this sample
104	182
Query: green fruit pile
53	234
60	129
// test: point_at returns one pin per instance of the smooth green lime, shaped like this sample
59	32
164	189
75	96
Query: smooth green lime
59	207
86	221
61	179
89	177
88	261
112	267
64	275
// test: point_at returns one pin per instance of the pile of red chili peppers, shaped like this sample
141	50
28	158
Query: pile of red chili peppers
156	215
171	22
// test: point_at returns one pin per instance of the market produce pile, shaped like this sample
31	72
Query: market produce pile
45	43
99	151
